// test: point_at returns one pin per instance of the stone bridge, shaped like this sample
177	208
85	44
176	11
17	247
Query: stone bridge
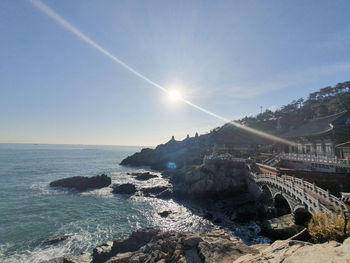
302	197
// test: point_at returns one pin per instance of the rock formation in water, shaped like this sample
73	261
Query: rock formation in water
81	183
55	240
143	176
163	192
127	188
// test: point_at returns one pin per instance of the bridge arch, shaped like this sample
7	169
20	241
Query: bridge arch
282	204
267	192
301	215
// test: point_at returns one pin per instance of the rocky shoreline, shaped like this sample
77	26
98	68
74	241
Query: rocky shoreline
218	246
220	187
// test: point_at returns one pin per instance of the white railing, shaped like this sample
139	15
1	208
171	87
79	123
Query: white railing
223	157
316	159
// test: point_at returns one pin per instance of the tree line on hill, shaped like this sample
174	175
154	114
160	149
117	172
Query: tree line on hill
326	101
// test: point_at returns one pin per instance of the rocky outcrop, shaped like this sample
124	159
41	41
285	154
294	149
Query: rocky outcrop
143	176
153	245
216	179
191	150
180	153
81	183
295	252
124	189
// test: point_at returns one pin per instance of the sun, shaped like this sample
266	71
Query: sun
174	95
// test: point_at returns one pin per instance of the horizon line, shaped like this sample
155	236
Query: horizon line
77	144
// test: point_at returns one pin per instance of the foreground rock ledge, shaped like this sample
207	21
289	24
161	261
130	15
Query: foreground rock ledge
154	245
298	252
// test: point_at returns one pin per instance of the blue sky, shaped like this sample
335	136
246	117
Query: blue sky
229	57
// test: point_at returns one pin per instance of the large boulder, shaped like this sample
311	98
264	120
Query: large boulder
124	189
82	183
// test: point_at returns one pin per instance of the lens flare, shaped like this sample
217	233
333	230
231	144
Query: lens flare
52	14
171	165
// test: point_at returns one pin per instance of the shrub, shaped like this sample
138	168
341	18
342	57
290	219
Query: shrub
328	226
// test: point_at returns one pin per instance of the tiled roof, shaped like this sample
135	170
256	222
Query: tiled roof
314	126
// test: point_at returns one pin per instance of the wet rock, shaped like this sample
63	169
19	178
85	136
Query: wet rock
164	213
55	240
166	194
143	176
81	183
82	258
208	216
127	188
103	252
154	191
217	220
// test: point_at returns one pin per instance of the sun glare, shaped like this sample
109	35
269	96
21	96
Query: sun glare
174	95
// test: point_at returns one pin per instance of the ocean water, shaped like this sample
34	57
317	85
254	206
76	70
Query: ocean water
31	211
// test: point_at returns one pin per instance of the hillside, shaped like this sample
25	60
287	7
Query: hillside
326	101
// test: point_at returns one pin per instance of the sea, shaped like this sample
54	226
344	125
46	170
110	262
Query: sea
31	212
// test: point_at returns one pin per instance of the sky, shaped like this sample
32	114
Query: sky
228	57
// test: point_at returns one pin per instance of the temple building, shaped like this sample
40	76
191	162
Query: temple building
343	150
321	136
